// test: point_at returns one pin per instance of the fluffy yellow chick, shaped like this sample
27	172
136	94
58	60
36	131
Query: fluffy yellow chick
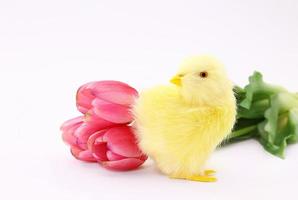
180	125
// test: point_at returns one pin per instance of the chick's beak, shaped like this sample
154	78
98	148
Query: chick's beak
176	80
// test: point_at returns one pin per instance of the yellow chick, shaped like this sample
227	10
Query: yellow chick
180	125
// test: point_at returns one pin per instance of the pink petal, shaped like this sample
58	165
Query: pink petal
84	155
91	117
97	146
84	97
112	112
122	141
72	122
112	156
123	165
96	138
68	129
68	136
115	92
99	151
84	132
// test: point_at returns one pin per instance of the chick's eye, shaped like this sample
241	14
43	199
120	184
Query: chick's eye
203	74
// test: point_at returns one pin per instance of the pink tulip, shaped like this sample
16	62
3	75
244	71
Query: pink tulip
113	146
109	100
76	133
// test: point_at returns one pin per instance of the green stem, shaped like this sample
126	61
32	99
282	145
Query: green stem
242	132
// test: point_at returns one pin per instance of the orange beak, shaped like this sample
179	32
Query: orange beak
176	80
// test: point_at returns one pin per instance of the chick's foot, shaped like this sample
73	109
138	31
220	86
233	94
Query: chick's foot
209	172
205	177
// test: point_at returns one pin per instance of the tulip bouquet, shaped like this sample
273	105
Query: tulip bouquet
103	133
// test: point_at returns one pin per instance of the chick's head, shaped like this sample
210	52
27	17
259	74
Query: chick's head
203	80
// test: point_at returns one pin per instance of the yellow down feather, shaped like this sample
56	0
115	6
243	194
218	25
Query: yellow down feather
180	125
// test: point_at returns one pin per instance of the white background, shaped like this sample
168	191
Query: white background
49	48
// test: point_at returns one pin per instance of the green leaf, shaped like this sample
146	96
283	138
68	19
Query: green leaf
267	113
258	90
280	125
